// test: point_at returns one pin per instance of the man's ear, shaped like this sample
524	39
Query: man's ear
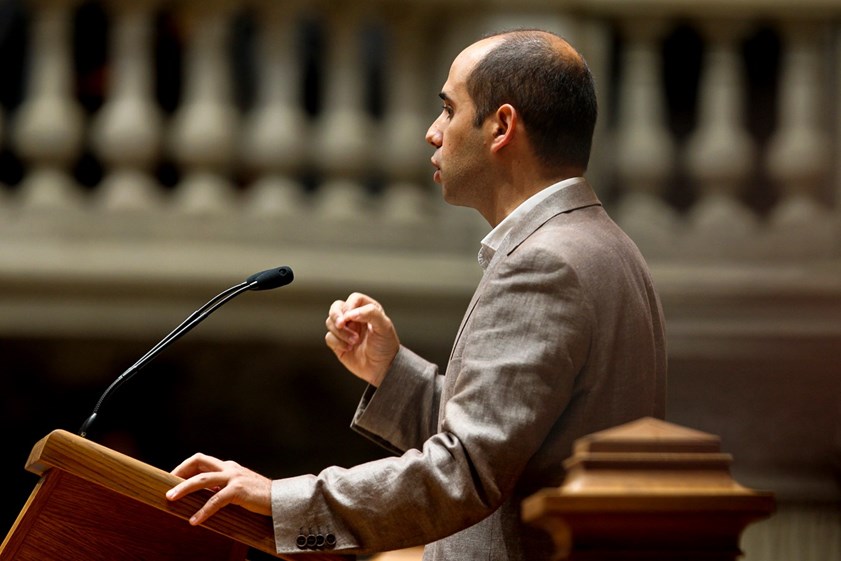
504	123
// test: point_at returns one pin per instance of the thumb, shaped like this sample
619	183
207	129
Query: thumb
372	314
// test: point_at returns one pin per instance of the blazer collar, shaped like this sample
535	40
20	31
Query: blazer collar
570	198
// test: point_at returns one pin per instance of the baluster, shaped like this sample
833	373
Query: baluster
405	157
127	131
720	154
834	69
204	129
48	127
344	130
799	157
644	147
276	135
3	188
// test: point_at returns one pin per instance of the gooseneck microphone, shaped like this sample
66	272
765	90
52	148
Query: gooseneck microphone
264	280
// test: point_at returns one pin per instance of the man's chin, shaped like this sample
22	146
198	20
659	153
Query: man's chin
450	198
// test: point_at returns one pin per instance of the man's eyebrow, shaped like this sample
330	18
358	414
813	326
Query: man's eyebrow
445	97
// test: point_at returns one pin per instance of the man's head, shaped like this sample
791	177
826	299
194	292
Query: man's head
519	108
550	85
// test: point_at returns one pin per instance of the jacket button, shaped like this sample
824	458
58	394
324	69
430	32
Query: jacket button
330	540
301	541
311	541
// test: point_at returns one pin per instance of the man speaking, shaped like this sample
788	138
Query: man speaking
563	337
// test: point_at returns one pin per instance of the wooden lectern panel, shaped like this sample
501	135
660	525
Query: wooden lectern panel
94	503
72	519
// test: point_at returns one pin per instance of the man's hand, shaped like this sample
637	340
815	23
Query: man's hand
232	483
362	337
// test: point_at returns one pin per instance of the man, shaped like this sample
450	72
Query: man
563	337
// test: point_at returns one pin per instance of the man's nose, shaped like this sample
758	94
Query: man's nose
433	135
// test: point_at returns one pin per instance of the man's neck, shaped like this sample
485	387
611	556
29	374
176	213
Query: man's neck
510	196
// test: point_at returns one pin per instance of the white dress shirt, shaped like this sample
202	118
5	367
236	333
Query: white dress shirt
492	241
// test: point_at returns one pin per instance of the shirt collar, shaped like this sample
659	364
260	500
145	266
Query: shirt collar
491	242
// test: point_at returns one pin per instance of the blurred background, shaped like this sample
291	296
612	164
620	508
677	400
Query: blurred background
153	153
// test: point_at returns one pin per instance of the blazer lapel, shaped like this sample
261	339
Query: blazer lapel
573	197
570	198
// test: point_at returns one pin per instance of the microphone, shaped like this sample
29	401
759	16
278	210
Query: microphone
264	280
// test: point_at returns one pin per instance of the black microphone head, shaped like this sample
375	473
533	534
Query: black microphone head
270	278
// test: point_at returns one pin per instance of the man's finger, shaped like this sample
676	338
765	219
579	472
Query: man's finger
355	301
336	310
343	333
336	345
201	481
195	464
372	314
213	505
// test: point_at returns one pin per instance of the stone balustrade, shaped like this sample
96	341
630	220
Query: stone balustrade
308	115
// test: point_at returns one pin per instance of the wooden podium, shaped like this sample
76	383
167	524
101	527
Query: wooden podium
93	503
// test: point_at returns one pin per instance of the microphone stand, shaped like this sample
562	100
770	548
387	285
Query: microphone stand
268	279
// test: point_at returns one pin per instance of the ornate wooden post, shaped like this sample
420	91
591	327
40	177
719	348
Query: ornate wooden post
648	490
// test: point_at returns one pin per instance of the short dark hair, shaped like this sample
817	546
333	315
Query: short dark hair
553	92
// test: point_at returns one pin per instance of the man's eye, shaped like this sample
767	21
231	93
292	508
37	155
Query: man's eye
448	110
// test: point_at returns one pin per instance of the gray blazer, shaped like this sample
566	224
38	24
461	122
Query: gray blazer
564	336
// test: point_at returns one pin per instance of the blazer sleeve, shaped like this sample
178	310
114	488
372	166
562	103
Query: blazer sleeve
513	373
403	412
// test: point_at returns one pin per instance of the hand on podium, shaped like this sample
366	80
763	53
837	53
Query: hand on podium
232	483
